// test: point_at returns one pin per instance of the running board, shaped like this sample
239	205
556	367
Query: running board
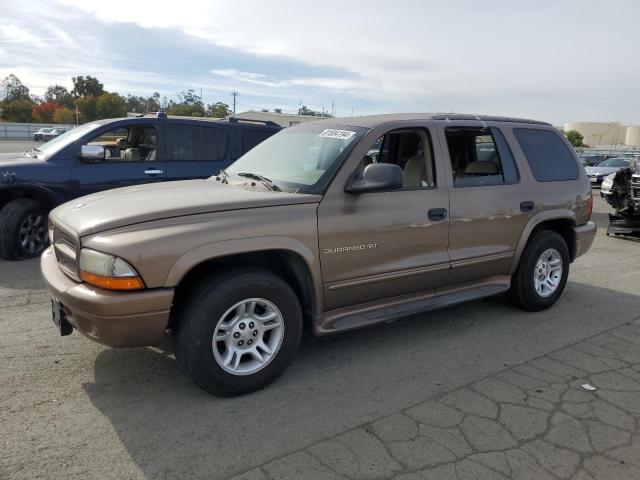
389	310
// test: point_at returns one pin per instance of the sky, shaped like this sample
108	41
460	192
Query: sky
551	60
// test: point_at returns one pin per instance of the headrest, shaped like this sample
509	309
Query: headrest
482	168
123	143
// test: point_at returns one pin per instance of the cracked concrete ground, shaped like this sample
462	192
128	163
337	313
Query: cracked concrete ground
531	421
480	390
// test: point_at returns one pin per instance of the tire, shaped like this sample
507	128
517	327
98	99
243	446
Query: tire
523	291
211	308
15	229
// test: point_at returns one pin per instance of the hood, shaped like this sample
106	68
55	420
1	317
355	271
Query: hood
18	158
602	170
154	201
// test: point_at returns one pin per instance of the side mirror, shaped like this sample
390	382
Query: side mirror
376	177
92	153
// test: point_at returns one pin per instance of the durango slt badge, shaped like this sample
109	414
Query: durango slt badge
351	248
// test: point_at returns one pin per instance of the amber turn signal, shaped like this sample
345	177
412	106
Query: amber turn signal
112	283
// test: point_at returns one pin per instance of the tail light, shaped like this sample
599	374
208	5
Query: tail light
590	207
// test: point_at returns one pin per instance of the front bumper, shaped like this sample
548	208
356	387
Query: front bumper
584	235
115	319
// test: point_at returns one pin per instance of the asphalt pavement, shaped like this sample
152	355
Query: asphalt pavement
350	406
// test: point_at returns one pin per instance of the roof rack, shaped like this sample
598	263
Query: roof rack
485	118
249	120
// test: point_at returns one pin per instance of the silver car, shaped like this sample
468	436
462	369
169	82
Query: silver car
597	174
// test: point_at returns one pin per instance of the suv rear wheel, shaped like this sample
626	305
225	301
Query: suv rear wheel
23	229
542	273
237	332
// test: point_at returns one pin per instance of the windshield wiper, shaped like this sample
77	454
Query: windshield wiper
265	181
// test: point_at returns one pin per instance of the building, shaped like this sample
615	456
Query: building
282	119
606	133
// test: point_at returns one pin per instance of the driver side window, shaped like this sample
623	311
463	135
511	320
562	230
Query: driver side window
133	143
412	151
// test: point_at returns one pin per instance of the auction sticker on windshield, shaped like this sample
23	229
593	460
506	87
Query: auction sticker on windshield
335	133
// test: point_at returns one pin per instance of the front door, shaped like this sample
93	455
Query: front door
133	155
380	245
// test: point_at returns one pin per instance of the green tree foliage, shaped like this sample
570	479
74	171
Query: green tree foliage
110	105
304	110
143	104
16	110
87	108
44	112
59	95
86	86
188	105
64	115
15	89
218	110
575	138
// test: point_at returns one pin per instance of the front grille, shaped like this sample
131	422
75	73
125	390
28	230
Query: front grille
65	246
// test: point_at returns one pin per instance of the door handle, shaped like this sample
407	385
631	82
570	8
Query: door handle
527	206
436	214
153	171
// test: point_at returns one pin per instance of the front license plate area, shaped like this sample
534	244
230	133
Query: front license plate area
60	318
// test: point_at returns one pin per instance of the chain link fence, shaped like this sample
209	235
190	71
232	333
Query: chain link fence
24	131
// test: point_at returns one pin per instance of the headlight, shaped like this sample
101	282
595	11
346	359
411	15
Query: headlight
108	271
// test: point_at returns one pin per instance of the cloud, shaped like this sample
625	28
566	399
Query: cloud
551	60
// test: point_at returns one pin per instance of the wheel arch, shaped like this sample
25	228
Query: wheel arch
562	222
45	197
288	264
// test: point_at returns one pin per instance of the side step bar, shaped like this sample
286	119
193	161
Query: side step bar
348	319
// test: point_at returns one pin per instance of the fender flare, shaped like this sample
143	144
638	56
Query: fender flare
36	191
211	251
563	214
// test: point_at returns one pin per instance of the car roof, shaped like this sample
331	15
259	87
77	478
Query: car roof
370	121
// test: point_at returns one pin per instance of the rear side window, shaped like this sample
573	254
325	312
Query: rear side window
185	142
214	143
549	157
251	138
480	157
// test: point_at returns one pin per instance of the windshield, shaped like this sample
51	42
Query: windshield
302	158
614	162
56	144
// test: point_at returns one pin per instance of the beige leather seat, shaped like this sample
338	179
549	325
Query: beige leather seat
482	168
414	171
132	155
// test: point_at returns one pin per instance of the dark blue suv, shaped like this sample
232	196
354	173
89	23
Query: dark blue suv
108	154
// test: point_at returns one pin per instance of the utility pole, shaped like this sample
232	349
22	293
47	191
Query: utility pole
234	94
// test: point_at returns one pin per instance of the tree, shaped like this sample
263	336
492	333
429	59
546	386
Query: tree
87	107
16	110
60	95
143	104
64	115
218	110
110	105
304	110
15	89
44	112
86	86
575	138
189	105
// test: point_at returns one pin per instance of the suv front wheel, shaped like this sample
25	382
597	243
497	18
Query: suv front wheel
542	273
23	229
237	332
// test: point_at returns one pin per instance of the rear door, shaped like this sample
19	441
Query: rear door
184	150
215	149
488	211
